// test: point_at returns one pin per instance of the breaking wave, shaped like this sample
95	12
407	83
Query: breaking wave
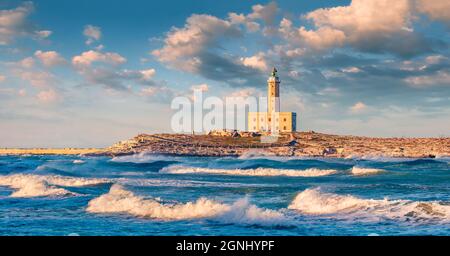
120	200
316	202
312	172
140	158
242	212
29	185
255	154
78	161
361	171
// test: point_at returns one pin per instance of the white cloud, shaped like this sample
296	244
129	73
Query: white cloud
266	13
90	57
43	34
435	59
358	107
327	91
100	68
322	38
351	70
200	87
296	52
242	19
257	61
435	9
147	74
22	92
27	62
294	74
39	79
150	91
49	58
246	92
92	33
99	47
13	24
2	78
199	47
158	94
367	25
47	96
363	16
182	46
441	77
155	91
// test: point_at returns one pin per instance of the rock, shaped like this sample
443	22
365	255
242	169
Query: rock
329	151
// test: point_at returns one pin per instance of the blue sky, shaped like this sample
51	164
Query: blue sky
90	73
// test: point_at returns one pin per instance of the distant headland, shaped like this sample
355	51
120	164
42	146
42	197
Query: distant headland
229	143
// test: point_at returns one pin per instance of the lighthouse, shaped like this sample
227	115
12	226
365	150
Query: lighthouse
272	120
273	92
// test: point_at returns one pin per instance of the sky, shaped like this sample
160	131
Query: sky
90	73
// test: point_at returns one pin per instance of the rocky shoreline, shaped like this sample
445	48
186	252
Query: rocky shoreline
300	144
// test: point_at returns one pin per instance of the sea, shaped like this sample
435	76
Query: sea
255	195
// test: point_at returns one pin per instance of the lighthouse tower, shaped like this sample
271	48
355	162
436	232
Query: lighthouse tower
272	120
273	92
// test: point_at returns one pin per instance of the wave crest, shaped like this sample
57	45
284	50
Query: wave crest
316	202
141	158
312	172
29	185
360	171
120	200
242	212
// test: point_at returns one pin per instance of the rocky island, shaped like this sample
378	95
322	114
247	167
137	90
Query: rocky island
302	144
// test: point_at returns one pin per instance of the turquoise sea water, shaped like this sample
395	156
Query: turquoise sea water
163	195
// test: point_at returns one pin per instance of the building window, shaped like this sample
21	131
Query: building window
284	128
270	119
254	119
254	127
284	119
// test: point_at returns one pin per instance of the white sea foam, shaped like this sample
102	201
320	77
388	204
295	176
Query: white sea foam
255	153
120	200
312	172
361	171
380	158
259	154
28	185
316	202
78	161
142	157
41	167
242	212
